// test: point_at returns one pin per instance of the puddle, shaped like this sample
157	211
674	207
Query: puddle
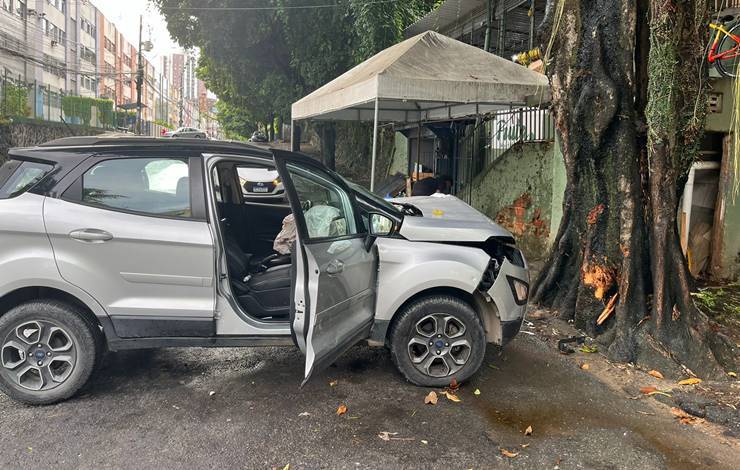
560	402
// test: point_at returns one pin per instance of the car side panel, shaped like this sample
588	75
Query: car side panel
26	256
154	267
407	268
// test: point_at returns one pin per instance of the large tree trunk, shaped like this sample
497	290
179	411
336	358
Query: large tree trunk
617	239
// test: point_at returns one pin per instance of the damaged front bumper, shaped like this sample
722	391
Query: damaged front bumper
510	292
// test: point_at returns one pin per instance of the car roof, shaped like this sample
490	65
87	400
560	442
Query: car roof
83	146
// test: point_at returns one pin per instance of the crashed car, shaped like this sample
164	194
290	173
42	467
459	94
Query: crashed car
124	243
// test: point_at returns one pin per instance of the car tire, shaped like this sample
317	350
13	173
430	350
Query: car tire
68	347
456	334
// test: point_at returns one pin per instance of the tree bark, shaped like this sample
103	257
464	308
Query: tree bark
618	232
329	144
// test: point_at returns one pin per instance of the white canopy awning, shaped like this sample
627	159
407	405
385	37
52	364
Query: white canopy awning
427	77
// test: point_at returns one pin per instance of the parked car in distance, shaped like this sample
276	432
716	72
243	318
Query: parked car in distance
189	132
113	243
260	182
258	136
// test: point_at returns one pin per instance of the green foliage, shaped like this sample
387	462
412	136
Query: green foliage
81	107
164	124
236	123
261	61
15	100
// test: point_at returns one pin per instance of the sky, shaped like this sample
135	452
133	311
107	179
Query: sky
125	15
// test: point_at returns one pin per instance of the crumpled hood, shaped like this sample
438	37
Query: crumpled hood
447	218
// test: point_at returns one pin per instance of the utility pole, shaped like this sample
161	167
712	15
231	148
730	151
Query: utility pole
182	93
489	18
139	81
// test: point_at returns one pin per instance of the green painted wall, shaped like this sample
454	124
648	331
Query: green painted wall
720	122
559	179
517	192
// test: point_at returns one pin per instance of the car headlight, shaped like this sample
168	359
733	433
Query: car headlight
520	289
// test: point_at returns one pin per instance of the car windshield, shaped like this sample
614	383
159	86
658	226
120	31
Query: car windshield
385	204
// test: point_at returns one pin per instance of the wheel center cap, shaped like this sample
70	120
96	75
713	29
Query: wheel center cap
39	354
439	344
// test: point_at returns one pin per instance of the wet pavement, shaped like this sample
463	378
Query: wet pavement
148	409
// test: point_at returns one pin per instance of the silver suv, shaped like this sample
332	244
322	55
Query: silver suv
124	243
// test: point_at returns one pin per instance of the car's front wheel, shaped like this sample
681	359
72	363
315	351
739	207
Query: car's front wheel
437	338
48	351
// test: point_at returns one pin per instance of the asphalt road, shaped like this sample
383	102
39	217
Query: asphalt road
154	409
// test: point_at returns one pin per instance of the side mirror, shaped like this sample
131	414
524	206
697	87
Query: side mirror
380	225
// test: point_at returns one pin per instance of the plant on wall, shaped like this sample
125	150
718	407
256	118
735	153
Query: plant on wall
15	101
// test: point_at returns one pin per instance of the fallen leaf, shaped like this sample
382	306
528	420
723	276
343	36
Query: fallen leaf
585	366
524	446
451	396
341	410
508	453
424	441
656	374
454	385
287	467
431	399
333	383
386	436
305	413
659	392
732	374
528	431
647	390
690	381
588	349
211	393
476	392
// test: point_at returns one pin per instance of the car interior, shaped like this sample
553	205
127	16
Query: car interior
260	277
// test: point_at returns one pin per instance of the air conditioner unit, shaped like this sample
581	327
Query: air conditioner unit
54	43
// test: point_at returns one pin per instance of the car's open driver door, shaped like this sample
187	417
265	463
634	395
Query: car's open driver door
336	265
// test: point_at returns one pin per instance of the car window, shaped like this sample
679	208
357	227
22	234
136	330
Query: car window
157	186
18	177
327	208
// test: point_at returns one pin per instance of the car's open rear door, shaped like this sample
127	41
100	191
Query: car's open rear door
336	268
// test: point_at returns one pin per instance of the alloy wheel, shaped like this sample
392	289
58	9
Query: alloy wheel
38	355
439	345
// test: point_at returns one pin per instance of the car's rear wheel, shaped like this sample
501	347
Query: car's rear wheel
48	350
437	338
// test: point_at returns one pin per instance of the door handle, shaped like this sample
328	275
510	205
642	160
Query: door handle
91	235
334	267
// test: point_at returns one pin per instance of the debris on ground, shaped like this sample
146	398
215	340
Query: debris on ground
528	431
431	398
341	410
690	381
391	436
508	453
563	344
655	374
451	396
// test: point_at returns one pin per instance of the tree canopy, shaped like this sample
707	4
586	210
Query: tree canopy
260	58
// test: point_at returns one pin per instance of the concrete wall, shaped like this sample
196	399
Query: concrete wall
522	191
29	133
